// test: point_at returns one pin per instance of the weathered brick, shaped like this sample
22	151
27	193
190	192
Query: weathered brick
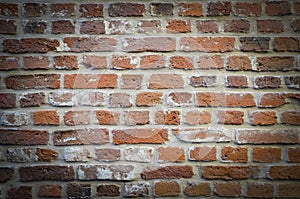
292	82
278	136
255	44
30	45
34	9
171	154
105	117
81	137
46	172
278	8
207	44
267	82
263	118
46	155
63	27
218	8
137	189
181	62
73	118
198	117
266	154
290	44
133	81
149	26
19	155
228	189
229	172
49	117
167	172
294	154
119	100
36	62
234	154
161	9
248	9
90	81
275	63
66	62
295	25
120	26
193	189
165	81
203	81
284	172
207	26
50	191
76	154
95	62
289	190
237	26
167	117
126	10
230	117
178	26
61	98
180	99
8	9
236	81
138	136
124	62
211	62
190	9
13	118
109	190
9	63
62	9
34	27
138	154
167	188
75	190
23	137
149	98
136	117
260	190
151	44
10	27
107	155
7	100
290	117
90	44
91	10
91	98
19	192
6	174
93	27
269	26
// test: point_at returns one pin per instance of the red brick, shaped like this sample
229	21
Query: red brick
290	44
168	117
230	117
236	81
201	135
153	62
136	117
107	155
61	98
108	190
62	9
228	189
131	81
50	191
166	81
148	44
139	154
236	63
180	99
275	63
203	153
149	98
211	62
75	190
208	99
126	10
23	137
30	45
72	118
266	154
9	63
63	27
203	81
119	100
235	154
197	189
91	10
204	44
263	118
93	27
95	62
167	188
36	62
46	155
171	154
120	26
6	174
90	81
124	62
284	172
278	8
161	9
167	172
10	27
34	9
279	136
269	26
90	44
149	26
289	190
294	154
255	44
207	26
290	117
218	8
178	26
237	26
81	137
295	25
181	62
35	27
107	117
190	9
260	190
19	192
8	9
248	9
267	82
271	100
139	136
66	62
7	100
46	117
229	172
198	117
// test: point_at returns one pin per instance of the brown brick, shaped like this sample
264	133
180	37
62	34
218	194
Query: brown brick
263	118
295	25
167	188
234	154
95	62
63	27
166	81
203	153
237	26
203	81
50	191
198	117
168	117
23	137
8	9
267	82
136	117
131	81
269	26
260	190
218	8
203	44
36	62
180	99
148	44
279	136
35	27
211	62
178	26
6	174
278	8
275	63
91	10
181	62
289	190
10	27
271	100
207	26
236	81
297	8
255	44
294	154
290	44
266	154
9	63
46	155
161	9
90	44
230	117
93	27
108	117
290	117
109	190
75	190
119	100
167	172
126	9
149	98
190	9
19	192
107	155
228	189
149	26
81	137
284	172
30	45
46	117
139	136
248	9
73	118
7	100
124	62
197	189
236	63
66	62
171	154
229	172
34	9
62	9
84	81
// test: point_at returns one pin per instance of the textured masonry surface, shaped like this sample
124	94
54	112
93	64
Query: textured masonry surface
147	99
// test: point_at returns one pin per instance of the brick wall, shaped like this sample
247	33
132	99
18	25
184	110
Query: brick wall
149	99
